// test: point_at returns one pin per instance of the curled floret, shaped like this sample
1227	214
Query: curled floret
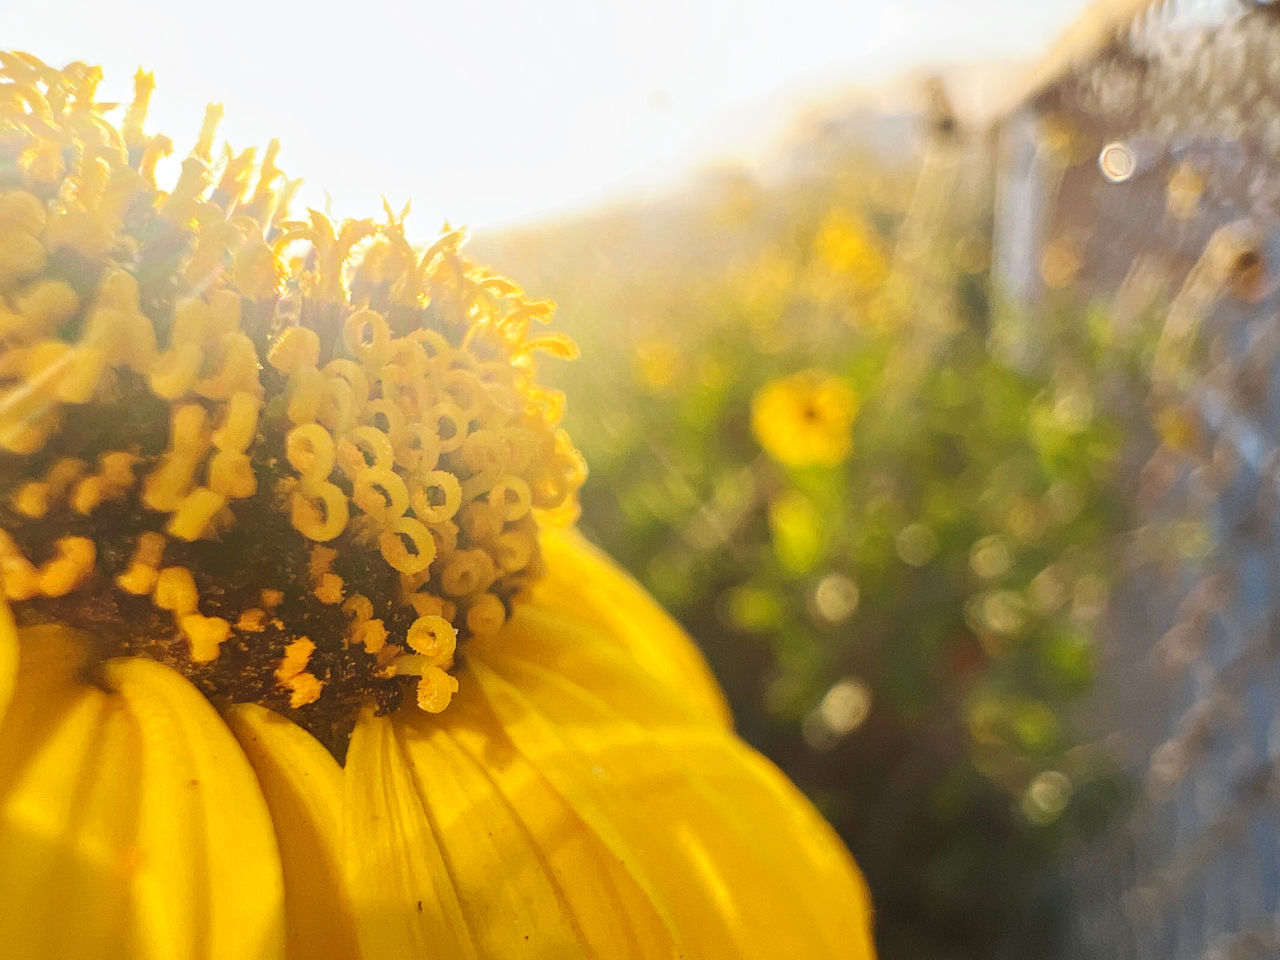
242	434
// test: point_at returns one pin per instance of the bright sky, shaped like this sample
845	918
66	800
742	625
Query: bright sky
508	109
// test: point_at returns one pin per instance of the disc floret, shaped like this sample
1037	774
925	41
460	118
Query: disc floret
297	460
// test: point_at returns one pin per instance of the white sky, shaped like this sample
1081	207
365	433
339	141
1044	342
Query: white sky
503	110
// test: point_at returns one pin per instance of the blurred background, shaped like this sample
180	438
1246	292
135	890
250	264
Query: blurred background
929	377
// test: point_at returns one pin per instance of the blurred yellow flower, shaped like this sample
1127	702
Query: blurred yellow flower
805	419
846	246
303	660
658	364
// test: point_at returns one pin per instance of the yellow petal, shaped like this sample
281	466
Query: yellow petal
209	878
302	784
404	899
8	656
504	893
575	797
737	864
582	579
68	781
130	824
531	879
541	640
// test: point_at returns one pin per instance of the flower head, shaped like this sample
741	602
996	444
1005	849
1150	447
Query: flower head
260	479
845	245
296	460
805	419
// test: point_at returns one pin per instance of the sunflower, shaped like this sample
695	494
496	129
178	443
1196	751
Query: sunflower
300	655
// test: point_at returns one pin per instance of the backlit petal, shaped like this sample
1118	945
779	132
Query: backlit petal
531	879
404	898
115	838
601	594
209	881
740	866
581	799
8	656
302	784
540	640
68	822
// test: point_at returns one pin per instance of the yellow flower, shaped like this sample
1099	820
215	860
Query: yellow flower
303	660
657	364
805	419
846	246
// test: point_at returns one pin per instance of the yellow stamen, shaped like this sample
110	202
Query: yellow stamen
176	590
435	690
305	688
371	634
194	514
329	589
205	635
486	615
72	564
253	620
393	453
296	657
435	638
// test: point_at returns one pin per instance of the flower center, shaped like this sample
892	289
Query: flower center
297	461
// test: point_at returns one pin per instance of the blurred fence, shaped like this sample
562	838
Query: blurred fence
1146	171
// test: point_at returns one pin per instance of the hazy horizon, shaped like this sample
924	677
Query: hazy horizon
515	112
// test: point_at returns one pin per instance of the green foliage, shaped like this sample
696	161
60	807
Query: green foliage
907	631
